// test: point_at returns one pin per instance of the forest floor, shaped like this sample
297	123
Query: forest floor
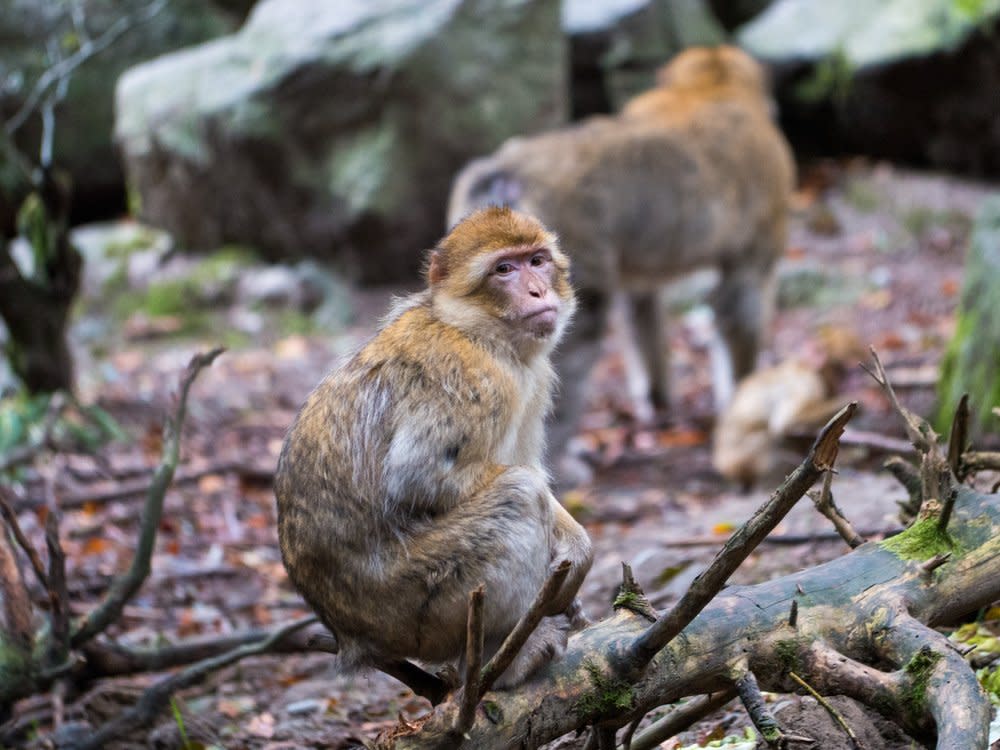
875	251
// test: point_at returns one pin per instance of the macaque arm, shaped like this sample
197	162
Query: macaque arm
426	464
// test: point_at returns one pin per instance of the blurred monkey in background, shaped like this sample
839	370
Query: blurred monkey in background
693	173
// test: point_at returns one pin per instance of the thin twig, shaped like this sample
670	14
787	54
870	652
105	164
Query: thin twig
65	68
57	590
475	630
140	486
929	566
834	713
739	546
907	475
958	438
917	430
681	718
823	500
124	587
976	461
10	517
112	659
760	714
524	628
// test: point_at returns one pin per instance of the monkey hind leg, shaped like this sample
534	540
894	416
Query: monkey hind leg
574	359
546	643
649	322
743	303
500	538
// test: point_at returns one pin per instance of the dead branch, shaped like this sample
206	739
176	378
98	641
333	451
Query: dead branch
762	718
513	643
473	662
823	500
125	586
907	584
111	659
140	486
834	713
155	698
10	518
680	719
958	438
705	587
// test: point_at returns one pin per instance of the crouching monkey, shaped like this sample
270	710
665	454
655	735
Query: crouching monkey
413	473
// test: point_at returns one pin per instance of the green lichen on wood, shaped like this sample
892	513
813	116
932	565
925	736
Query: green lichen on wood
787	652
919	670
921	541
609	695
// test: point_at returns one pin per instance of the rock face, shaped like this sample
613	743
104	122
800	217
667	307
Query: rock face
616	46
909	80
332	130
83	142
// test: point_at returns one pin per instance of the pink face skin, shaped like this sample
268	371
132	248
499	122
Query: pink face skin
524	279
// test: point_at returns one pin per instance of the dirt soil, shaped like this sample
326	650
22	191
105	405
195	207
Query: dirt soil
874	250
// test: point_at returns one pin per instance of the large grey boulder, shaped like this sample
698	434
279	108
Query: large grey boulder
911	80
617	45
83	142
333	130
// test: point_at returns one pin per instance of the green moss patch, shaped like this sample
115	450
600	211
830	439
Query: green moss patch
609	695
921	541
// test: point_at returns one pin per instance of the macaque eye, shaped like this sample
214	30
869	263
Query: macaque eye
539	259
503	268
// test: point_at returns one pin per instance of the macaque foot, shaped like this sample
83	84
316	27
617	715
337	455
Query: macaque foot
546	644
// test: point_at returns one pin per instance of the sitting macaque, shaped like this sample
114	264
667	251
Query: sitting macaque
693	173
413	473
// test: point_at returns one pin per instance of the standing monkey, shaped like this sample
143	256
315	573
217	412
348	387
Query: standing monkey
413	473
693	173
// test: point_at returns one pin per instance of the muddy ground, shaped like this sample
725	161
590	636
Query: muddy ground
874	251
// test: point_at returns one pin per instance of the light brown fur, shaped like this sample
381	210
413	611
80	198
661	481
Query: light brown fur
413	473
692	174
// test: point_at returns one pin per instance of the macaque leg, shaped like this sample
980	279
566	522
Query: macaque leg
570	542
649	321
574	359
743	304
505	537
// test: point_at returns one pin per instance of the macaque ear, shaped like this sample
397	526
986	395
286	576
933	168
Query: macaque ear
436	272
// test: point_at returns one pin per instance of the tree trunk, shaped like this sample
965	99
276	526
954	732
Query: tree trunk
971	364
36	309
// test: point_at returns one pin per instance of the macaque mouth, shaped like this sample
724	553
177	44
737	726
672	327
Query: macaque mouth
549	312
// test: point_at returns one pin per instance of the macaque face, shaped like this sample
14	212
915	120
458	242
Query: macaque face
521	281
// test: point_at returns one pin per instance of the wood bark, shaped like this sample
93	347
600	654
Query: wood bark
863	629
